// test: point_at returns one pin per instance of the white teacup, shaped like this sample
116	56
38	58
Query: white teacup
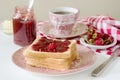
63	19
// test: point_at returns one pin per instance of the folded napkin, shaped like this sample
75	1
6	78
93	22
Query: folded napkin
105	24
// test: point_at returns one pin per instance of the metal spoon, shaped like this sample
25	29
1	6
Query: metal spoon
29	8
99	70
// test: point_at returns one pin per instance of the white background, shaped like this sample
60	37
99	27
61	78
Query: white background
41	7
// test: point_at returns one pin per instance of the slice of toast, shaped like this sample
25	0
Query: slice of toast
38	56
50	63
69	53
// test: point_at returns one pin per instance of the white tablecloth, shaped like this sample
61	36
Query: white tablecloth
9	71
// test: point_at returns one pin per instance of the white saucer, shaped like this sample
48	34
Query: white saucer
82	41
46	28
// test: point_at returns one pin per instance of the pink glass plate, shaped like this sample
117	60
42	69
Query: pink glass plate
46	28
87	59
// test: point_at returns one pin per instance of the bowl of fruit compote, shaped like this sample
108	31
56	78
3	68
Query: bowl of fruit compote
97	40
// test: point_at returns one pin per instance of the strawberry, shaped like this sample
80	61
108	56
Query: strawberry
51	46
110	39
105	36
89	36
96	38
99	41
91	31
91	41
96	35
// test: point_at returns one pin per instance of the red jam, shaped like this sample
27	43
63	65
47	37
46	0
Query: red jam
50	45
24	30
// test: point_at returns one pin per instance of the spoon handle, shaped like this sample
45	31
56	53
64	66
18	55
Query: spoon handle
101	68
30	5
29	8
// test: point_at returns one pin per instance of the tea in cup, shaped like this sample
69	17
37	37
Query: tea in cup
63	19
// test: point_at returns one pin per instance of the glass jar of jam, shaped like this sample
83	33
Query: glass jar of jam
24	26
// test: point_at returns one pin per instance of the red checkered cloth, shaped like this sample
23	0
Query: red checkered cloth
105	24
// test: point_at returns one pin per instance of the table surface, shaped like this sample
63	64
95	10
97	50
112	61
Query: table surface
9	71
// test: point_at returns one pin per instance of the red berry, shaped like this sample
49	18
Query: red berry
96	35
105	36
110	39
51	46
89	36
91	31
98	41
96	38
91	41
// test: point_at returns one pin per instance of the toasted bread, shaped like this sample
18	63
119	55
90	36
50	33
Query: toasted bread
29	52
53	60
51	63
